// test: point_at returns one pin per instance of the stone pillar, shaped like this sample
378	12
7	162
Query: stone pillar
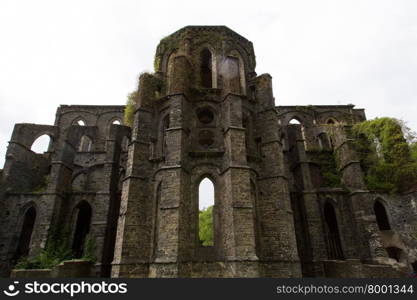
104	223
367	242
276	216
238	210
134	223
170	213
314	239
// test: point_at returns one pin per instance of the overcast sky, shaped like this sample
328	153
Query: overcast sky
318	52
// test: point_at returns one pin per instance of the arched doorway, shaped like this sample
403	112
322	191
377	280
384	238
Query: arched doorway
333	236
82	228
23	245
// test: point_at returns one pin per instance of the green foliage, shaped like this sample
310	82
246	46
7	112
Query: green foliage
413	151
330	175
129	112
387	159
206	226
90	248
57	250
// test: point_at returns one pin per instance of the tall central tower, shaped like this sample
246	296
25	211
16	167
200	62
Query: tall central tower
205	113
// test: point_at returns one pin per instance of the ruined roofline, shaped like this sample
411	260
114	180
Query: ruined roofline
318	106
91	106
216	28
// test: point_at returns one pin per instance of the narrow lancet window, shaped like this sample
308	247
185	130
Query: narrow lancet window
205	207
381	216
333	236
82	228
26	233
206	68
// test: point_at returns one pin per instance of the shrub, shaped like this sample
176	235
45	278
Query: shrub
388	160
129	113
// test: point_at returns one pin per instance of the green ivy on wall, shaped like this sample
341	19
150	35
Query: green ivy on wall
387	159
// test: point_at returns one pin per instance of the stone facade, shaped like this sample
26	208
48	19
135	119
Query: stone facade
205	113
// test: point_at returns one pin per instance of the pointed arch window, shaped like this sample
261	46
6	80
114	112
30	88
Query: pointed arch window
26	233
41	144
85	144
333	235
381	216
206	68
205	209
323	140
82	228
294	121
79	122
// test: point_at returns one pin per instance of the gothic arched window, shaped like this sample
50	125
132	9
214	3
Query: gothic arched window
333	236
85	144
205	209
82	228
41	144
206	68
381	216
26	233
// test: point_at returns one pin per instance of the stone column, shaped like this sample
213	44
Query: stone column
133	239
280	253
368	243
239	232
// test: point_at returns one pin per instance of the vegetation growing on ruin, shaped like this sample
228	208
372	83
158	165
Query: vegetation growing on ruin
206	226
129	112
90	249
387	158
329	173
57	250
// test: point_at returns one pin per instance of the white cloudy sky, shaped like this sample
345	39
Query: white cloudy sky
318	52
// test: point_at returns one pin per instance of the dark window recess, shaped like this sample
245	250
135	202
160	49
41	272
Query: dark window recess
26	234
206	68
333	238
381	216
82	228
394	252
205	115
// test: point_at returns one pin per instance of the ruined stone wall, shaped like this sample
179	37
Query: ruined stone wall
290	199
56	181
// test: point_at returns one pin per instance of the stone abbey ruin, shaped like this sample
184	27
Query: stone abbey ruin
290	197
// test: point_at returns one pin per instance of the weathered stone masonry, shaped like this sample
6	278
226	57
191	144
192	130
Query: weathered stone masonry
205	113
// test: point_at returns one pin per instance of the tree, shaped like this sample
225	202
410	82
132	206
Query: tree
206	226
